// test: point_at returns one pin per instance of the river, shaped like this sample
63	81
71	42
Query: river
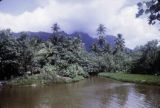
93	92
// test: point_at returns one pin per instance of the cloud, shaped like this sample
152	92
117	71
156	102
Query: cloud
81	15
135	31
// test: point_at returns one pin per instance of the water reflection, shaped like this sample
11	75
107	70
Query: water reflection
90	93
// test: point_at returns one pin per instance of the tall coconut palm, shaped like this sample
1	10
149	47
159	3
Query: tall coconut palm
55	28
101	30
119	44
101	33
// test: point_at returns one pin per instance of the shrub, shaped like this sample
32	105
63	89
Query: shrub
75	70
49	72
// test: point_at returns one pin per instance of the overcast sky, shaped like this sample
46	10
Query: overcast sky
78	15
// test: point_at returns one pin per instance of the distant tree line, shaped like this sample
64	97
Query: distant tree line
66	56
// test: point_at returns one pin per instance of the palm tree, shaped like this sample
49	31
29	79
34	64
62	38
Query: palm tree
55	28
101	30
119	43
101	33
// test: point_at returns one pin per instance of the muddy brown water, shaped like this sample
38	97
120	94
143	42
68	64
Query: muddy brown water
94	92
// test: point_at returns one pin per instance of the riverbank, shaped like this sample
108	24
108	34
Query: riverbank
41	80
135	78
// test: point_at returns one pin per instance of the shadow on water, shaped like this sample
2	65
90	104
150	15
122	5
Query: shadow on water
93	92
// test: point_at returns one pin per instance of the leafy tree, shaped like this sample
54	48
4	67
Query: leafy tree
95	48
151	8
8	55
157	63
147	63
25	53
121	58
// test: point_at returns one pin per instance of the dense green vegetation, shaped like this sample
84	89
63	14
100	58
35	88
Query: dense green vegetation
137	78
28	59
31	58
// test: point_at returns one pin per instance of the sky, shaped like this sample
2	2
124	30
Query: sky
78	15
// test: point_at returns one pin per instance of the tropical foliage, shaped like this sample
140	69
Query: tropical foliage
64	57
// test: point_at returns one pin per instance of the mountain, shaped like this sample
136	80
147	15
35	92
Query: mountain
86	38
89	40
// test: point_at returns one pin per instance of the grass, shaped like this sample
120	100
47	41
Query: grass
135	78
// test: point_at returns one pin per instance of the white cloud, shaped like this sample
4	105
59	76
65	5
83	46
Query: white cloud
84	16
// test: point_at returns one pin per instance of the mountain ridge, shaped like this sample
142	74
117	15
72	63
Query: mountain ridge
86	38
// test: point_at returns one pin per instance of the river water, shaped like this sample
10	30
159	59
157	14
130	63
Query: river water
94	92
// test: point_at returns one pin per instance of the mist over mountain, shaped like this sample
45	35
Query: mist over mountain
85	37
